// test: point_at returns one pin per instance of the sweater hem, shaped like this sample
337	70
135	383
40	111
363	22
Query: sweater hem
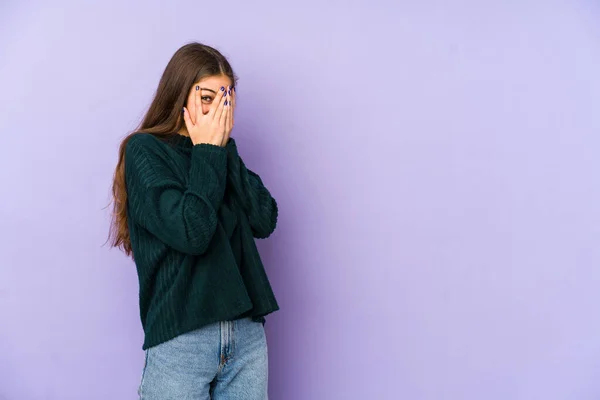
197	324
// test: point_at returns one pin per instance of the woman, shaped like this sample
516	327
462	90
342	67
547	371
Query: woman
187	210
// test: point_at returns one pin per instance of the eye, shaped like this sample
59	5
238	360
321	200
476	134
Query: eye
206	99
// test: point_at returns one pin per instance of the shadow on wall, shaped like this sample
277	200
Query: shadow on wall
274	160
8	366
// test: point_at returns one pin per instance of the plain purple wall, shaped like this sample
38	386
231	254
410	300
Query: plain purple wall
436	165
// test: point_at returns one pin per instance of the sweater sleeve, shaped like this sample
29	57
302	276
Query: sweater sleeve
256	200
183	216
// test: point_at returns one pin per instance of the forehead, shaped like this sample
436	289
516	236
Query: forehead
214	82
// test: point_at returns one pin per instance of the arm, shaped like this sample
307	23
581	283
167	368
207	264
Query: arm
182	216
255	199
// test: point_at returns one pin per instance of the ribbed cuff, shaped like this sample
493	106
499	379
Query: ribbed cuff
208	172
231	147
235	174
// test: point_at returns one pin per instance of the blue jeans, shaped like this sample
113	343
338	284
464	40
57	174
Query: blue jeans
222	361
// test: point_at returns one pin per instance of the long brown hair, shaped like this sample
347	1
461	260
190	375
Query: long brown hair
191	63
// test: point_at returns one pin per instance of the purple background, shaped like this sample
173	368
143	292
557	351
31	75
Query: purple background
436	165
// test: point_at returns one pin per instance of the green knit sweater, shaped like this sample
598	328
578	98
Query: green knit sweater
193	214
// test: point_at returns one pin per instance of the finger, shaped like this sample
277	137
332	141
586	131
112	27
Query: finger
217	102
198	102
224	111
234	100
219	110
228	109
226	131
188	121
231	109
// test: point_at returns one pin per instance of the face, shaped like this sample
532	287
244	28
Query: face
209	87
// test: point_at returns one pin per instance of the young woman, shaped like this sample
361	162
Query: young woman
187	210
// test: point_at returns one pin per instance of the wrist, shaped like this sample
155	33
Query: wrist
231	147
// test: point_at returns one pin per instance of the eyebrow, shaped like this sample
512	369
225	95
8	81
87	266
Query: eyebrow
210	90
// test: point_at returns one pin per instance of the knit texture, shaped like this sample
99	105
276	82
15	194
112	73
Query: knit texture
193	214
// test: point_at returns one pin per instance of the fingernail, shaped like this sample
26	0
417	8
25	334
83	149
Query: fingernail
225	102
229	92
197	87
183	110
222	88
